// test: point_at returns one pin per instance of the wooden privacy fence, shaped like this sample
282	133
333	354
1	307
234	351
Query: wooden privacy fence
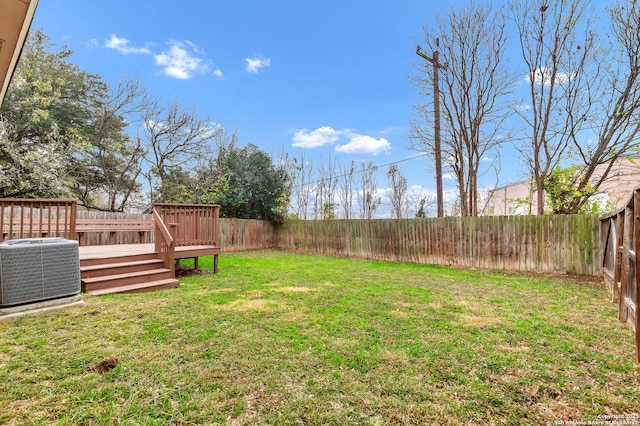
545	244
620	239
246	234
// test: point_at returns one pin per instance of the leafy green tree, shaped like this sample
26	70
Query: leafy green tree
63	133
179	187
246	184
562	190
45	119
328	211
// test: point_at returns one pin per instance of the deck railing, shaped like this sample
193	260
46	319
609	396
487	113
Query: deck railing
195	224
37	218
620	242
164	242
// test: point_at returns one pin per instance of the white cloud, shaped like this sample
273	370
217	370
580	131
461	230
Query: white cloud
180	61
322	136
543	75
326	135
122	46
195	47
362	144
254	64
155	125
449	176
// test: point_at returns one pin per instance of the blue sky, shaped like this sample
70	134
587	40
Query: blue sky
329	76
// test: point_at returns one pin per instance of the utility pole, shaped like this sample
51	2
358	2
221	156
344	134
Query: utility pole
437	66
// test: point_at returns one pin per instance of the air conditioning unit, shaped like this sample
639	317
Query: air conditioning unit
37	269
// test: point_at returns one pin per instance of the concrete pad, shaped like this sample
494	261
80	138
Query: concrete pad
39	308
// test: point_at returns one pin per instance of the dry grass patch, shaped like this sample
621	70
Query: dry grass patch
248	305
292	289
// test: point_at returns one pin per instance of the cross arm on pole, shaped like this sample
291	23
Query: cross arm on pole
421	53
433	60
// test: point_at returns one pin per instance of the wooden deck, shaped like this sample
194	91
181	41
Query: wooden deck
180	231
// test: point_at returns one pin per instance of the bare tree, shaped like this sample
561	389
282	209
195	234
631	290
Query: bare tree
328	185
224	142
318	198
368	196
346	189
175	138
301	177
110	167
476	81
398	192
558	48
615	111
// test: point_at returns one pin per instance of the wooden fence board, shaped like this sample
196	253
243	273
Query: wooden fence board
545	244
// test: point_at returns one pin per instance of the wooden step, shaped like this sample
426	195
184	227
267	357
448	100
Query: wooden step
92	271
164	284
94	261
89	285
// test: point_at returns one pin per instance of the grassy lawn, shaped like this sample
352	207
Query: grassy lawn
280	338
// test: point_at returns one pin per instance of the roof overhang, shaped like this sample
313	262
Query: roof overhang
15	20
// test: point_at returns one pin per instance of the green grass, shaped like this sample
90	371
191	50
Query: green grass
280	338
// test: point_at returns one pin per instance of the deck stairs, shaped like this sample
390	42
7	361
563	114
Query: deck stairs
129	273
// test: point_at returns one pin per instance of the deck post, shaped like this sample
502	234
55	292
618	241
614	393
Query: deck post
73	215
171	253
216	235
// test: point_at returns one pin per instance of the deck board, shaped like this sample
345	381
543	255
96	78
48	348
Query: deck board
118	250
